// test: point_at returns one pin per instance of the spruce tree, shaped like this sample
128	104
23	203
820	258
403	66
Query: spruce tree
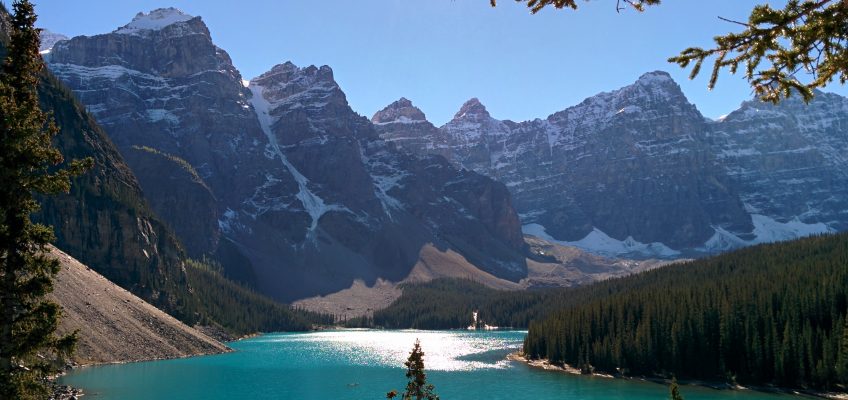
794	49
842	360
417	388
675	390
29	166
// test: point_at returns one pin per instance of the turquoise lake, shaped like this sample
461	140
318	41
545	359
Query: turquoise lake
365	364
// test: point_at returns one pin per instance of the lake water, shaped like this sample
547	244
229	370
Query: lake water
365	364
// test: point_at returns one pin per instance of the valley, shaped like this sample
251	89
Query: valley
258	237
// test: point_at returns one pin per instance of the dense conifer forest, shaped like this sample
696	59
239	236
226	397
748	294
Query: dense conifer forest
770	314
239	310
449	304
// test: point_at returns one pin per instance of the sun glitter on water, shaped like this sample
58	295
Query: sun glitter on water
443	351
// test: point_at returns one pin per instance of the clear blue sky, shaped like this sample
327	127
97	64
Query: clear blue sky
439	53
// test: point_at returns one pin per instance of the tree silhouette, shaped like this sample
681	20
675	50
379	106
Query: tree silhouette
775	47
675	390
417	387
29	164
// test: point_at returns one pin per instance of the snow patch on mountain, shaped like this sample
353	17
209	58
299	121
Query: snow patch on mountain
402	120
600	243
766	230
313	204
229	222
386	176
159	114
154	21
48	40
107	71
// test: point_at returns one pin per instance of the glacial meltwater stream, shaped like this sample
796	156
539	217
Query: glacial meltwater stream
365	364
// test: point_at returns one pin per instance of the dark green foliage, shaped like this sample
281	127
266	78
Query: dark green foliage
772	314
417	387
805	38
798	48
185	165
219	301
537	5
29	165
842	365
675	390
449	303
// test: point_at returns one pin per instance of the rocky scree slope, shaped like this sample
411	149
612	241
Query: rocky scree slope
307	197
640	172
116	326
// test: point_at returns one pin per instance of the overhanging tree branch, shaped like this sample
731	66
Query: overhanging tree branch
796	49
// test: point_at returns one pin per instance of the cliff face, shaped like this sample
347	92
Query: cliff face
303	196
406	126
191	209
789	162
104	220
639	171
362	201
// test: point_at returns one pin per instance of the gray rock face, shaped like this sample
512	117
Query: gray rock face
307	196
789	161
160	82
405	125
639	171
197	229
48	39
367	208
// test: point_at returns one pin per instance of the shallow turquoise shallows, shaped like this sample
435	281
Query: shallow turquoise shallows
365	364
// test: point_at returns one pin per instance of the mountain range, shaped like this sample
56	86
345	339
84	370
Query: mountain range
295	194
640	172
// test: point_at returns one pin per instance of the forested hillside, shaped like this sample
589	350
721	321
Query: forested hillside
449	303
240	310
772	314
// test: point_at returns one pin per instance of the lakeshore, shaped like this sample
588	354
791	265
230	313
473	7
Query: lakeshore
569	369
358	364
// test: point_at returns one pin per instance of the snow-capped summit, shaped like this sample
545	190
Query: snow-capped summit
154	21
48	39
401	111
307	91
288	73
472	108
655	77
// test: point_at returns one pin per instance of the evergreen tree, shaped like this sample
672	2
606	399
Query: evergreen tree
29	165
842	367
805	39
417	388
675	390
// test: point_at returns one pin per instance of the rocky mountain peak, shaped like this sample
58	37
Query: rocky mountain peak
401	111
288	73
48	39
472	109
655	77
658	85
155	20
293	88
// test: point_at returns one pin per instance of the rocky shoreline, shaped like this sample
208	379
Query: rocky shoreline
65	392
547	365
